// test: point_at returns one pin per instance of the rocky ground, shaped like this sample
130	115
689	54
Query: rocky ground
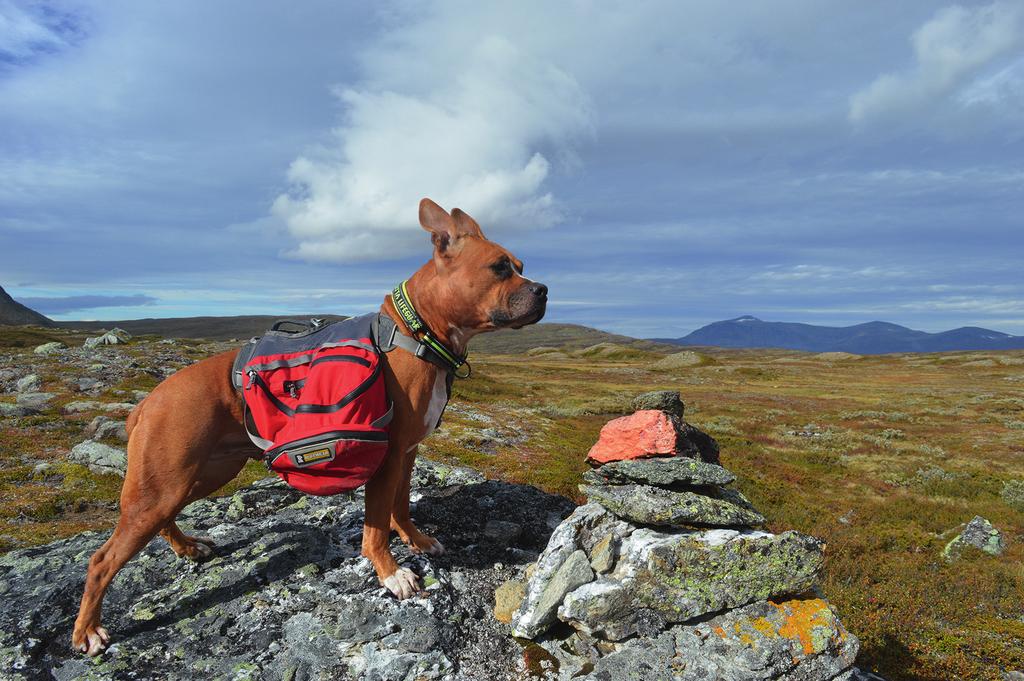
286	595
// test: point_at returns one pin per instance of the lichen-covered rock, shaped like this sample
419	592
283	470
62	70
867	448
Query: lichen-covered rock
86	384
1013	494
664	507
11	411
28	384
507	599
663	400
796	640
112	337
35	402
661	471
104	427
667	577
644	433
80	406
582	530
979	534
99	458
286	594
51	348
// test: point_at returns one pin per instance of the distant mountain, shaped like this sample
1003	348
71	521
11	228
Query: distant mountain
242	327
563	336
872	338
13	313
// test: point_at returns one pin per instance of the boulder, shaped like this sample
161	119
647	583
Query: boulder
51	348
663	507
99	458
87	383
112	337
660	472
1013	494
28	384
13	411
650	432
104	427
667	401
672	577
35	402
979	534
110	407
796	640
582	530
79	406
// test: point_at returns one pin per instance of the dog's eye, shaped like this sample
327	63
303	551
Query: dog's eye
502	269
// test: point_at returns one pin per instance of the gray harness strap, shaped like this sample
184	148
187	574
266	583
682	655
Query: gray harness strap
387	337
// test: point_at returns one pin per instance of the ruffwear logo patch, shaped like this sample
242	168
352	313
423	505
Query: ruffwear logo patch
315	456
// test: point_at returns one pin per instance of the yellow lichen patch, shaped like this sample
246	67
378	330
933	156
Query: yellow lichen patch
719	630
800	617
764	627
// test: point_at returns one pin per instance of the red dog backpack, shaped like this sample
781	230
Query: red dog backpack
315	402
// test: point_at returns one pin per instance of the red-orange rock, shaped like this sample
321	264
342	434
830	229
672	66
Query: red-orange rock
649	432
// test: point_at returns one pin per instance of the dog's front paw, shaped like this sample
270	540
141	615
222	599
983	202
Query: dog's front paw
403	583
91	640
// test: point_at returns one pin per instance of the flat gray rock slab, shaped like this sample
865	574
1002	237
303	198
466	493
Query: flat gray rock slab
99	458
665	471
796	640
673	577
663	507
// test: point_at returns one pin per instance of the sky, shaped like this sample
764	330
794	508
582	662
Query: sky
659	165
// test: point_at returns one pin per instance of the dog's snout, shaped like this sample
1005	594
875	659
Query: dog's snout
539	290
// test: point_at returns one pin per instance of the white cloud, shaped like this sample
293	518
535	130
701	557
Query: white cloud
478	140
948	48
21	34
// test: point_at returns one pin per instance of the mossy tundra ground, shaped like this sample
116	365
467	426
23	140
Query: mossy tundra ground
883	457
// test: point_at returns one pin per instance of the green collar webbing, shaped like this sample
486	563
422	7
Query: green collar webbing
403	303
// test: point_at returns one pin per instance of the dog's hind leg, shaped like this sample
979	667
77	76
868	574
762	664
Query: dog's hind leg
129	537
184	546
157	485
215	474
401	520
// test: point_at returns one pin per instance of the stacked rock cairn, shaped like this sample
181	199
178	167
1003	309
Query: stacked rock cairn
664	573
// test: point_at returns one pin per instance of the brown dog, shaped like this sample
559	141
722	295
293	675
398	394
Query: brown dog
186	439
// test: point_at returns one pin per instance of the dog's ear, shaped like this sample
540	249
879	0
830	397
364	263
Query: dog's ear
445	229
436	220
465	225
